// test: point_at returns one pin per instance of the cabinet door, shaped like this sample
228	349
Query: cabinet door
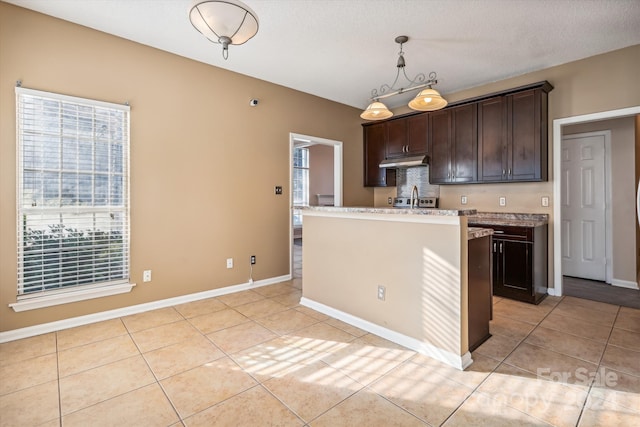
417	136
479	294
374	152
492	133
464	144
524	144
515	276
440	147
496	265
396	138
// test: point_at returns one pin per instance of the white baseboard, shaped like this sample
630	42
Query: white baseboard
552	292
72	322
624	284
459	362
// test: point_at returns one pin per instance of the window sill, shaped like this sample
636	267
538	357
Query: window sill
74	296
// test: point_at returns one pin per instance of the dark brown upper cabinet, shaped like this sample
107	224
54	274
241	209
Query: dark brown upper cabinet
375	142
500	137
527	136
492	138
440	147
407	136
512	137
453	145
417	135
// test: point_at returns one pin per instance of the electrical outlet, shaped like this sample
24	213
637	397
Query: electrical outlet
229	262
502	201
545	201
463	200
253	259
382	292
146	276
389	200
278	190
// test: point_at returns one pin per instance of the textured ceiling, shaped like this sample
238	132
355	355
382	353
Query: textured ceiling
342	49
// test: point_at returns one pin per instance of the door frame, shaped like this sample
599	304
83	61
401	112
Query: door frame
337	177
557	174
608	218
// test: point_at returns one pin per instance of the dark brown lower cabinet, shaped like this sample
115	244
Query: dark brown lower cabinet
479	294
520	262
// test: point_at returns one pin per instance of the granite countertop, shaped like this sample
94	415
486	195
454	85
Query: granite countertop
478	232
393	211
509	219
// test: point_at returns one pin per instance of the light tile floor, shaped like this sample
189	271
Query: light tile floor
257	358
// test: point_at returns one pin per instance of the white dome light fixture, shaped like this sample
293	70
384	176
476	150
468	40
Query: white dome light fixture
227	22
427	100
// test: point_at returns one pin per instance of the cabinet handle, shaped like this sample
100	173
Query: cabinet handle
498	232
500	247
503	171
509	172
494	247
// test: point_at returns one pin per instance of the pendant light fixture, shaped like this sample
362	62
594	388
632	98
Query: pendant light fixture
427	100
227	22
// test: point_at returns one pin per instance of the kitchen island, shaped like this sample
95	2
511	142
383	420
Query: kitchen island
398	273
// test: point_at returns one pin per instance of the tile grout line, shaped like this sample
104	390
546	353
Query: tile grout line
157	381
584	405
500	363
121	394
58	382
232	359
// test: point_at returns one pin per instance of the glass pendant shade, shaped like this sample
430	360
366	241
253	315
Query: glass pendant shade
428	100
225	22
376	111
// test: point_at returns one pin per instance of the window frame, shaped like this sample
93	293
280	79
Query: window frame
78	291
297	216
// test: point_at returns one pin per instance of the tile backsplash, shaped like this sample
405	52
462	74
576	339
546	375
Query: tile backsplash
418	176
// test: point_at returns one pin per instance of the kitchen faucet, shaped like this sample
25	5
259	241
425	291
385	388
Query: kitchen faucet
414	197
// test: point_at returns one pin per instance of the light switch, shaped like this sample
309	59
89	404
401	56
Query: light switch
463	200
545	201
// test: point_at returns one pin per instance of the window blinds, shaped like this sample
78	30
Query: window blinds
72	193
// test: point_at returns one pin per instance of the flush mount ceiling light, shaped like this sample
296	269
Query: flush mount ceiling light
427	100
224	21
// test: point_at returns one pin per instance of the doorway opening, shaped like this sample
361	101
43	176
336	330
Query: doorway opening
558	226
310	185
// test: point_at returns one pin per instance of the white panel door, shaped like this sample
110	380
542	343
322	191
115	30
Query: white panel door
583	207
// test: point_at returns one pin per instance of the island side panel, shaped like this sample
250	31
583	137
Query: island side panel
421	265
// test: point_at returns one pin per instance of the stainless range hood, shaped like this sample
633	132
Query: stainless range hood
404	162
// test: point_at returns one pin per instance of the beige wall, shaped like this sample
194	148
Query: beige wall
203	162
623	192
423	267
579	89
320	171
